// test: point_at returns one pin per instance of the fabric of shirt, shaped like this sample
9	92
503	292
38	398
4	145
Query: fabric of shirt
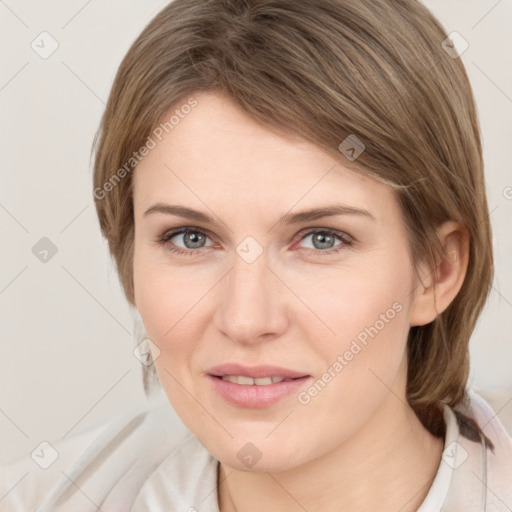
146	460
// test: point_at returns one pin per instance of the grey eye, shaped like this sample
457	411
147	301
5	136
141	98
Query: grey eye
322	240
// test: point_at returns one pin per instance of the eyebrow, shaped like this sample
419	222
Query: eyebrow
288	218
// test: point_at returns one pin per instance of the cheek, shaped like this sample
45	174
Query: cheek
352	300
163	301
170	302
161	292
359	328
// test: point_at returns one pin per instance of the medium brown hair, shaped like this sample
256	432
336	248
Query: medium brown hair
323	70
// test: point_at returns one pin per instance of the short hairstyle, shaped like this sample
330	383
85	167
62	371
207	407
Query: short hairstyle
322	71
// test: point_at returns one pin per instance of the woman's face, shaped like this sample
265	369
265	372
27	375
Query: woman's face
326	297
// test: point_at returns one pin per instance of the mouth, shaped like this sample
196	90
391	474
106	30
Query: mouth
249	381
255	387
258	375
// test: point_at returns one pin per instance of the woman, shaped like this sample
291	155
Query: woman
293	194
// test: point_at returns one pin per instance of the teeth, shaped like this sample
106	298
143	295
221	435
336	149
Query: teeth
231	378
263	381
249	381
245	380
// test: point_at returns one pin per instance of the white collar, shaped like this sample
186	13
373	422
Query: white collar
450	458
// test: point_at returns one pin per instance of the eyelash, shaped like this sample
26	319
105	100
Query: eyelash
347	240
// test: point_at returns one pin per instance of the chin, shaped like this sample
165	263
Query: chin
273	463
260	455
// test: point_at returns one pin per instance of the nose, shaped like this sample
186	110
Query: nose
252	305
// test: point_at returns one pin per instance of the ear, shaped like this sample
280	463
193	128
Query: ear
436	288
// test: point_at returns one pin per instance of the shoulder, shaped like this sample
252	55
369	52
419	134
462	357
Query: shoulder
496	423
25	480
111	458
500	401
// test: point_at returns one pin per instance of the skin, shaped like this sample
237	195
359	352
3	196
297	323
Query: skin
356	445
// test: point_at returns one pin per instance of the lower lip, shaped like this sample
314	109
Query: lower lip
255	396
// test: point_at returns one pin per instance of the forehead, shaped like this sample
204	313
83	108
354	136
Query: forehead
217	154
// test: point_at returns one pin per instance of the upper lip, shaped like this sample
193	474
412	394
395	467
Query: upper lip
255	371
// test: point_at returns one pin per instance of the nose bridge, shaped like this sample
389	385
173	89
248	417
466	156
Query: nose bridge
249	306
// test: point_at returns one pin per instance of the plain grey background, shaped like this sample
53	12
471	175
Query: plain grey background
67	334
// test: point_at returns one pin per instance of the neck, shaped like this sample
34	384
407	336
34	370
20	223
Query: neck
388	465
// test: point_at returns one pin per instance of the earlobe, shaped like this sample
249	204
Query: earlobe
437	287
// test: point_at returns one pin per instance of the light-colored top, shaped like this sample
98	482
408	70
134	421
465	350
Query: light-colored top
146	461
